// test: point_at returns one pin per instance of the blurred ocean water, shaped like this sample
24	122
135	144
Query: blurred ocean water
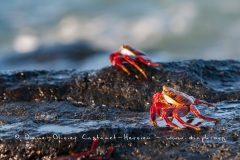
170	30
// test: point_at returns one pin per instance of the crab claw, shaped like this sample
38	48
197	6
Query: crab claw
115	58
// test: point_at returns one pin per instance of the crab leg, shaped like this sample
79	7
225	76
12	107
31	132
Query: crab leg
195	111
149	62
166	112
135	65
197	101
179	112
117	61
153	112
152	115
109	152
155	109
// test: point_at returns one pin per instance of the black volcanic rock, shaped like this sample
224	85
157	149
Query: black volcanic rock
52	114
213	81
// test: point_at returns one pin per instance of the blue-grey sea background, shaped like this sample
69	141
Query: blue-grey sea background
167	30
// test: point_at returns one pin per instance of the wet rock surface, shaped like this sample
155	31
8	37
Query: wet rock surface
49	114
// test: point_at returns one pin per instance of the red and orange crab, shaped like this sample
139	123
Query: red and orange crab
131	55
172	103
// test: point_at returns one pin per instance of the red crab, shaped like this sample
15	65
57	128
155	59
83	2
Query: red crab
130	55
86	155
172	103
